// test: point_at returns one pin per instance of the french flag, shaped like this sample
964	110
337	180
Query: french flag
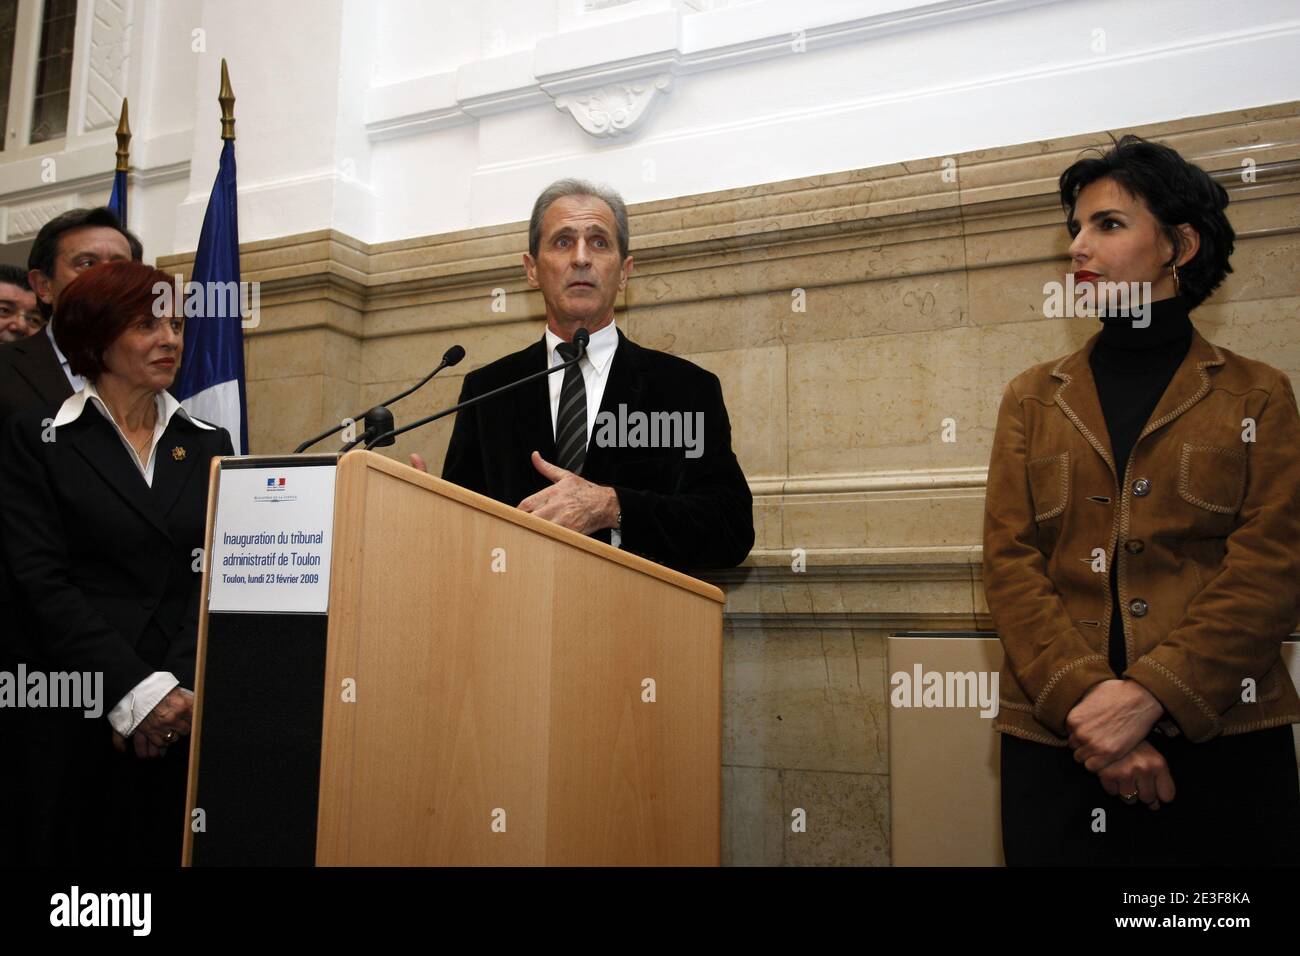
210	384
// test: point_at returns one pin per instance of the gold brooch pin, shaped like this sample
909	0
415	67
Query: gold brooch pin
178	453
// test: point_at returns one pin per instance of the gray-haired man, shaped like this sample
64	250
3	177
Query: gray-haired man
631	445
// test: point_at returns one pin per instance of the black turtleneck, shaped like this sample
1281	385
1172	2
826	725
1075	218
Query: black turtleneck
1132	368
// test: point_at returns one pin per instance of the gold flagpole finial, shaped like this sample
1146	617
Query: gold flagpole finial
123	141
227	100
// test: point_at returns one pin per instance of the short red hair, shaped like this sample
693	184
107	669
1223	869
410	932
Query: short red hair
98	306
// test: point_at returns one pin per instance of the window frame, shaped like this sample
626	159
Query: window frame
22	82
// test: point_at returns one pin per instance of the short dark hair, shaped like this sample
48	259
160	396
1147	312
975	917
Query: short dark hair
1176	192
45	248
14	275
98	306
577	187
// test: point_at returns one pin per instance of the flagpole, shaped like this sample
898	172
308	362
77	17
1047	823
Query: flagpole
211	380
123	141
226	97
117	196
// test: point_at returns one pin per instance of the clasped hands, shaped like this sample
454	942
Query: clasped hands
165	724
1108	730
571	500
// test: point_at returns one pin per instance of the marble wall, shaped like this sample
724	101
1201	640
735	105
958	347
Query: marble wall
848	316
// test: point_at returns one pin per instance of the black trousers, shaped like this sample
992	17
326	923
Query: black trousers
78	802
1237	802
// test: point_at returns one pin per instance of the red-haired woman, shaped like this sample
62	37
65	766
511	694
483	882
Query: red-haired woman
102	508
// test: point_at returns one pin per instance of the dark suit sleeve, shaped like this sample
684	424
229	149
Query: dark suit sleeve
179	659
70	633
464	462
708	520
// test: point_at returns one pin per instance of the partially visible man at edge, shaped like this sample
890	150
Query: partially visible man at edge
19	316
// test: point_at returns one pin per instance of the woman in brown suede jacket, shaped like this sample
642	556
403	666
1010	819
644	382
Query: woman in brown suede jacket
1142	553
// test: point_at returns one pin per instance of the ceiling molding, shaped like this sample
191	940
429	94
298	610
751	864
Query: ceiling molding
646	52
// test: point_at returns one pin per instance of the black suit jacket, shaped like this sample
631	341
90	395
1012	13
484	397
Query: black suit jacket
102	563
679	511
30	375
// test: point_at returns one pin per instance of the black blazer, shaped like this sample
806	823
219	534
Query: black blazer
681	512
102	563
30	375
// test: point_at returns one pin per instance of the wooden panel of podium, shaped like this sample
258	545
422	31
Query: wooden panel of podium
482	687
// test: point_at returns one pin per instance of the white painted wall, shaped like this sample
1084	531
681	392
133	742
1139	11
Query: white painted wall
137	49
387	119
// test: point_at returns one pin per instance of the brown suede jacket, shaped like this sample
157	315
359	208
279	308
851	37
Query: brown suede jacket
1207	518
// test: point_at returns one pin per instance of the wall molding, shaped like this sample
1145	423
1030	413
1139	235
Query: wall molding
655	47
740	622
992	190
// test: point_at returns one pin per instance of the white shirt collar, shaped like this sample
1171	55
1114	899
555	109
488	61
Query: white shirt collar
75	404
58	352
76	381
600	347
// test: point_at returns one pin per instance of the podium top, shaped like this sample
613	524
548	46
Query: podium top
369	460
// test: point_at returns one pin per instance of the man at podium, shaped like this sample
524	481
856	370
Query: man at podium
629	445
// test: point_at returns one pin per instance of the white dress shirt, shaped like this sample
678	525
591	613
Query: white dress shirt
595	366
144	697
76	381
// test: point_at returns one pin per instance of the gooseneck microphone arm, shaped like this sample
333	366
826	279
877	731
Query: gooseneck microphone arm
452	356
580	338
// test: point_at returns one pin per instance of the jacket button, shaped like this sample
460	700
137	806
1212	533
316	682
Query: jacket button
1141	487
1134	546
1138	607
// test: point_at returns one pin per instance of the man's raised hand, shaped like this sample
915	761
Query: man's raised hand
571	500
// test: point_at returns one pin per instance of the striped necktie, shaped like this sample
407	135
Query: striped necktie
571	420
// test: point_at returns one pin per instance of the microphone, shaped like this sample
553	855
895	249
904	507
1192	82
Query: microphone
375	419
581	338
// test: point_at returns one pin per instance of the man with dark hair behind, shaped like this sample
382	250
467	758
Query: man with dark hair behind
32	372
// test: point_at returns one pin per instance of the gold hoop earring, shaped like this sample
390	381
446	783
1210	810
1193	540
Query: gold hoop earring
1174	267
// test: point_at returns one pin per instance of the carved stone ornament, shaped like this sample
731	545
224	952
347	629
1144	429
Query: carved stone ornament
614	109
109	64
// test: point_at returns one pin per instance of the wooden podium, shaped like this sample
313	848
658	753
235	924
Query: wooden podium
482	686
